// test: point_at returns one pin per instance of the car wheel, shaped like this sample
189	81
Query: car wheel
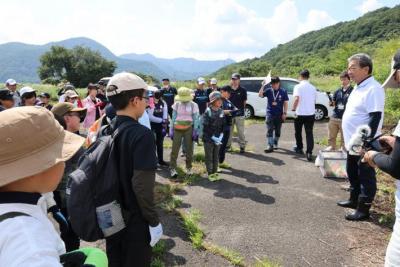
248	112
320	112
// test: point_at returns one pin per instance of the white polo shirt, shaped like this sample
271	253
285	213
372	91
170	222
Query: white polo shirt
307	94
367	97
29	240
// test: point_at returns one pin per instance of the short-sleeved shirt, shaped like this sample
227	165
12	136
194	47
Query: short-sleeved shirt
136	147
340	98
308	97
238	98
366	98
168	95
201	99
275	101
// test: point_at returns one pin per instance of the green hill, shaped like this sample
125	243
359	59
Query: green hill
325	51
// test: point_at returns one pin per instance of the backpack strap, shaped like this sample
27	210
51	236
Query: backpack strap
13	214
120	129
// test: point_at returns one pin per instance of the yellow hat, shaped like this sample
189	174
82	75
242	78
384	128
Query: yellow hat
184	95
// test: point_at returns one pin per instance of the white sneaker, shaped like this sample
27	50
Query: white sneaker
189	171
174	174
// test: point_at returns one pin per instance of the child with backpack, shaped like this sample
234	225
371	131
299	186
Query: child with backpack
184	125
213	126
29	170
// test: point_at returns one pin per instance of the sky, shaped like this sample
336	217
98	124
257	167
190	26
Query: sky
202	29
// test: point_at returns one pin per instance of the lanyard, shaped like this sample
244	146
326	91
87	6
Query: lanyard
275	96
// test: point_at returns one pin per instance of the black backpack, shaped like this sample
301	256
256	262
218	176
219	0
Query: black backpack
93	198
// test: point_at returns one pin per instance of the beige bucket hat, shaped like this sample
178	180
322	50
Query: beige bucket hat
32	141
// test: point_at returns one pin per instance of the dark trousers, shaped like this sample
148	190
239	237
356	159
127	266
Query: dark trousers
274	124
211	152
308	122
362	178
70	238
222	149
157	130
130	247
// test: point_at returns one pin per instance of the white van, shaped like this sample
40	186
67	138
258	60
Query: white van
256	106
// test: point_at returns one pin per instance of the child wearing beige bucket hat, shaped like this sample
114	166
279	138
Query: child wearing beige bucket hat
33	149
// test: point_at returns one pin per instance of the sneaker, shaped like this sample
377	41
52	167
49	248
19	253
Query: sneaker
309	157
183	155
242	150
163	164
298	151
219	170
269	149
189	171
213	177
275	146
174	174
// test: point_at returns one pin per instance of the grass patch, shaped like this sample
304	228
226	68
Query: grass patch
157	262
190	222
264	262
165	196
232	256
199	156
384	203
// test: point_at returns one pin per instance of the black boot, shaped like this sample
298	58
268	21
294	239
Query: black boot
362	212
352	202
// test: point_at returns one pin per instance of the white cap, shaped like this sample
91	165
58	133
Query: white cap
201	80
11	82
26	89
213	81
124	81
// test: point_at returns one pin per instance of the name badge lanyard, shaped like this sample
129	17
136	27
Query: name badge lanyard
275	97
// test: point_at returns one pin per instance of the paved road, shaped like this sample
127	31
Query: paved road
269	205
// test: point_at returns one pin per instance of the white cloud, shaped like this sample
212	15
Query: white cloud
237	32
369	5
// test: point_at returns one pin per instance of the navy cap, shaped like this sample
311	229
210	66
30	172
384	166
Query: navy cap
6	94
165	79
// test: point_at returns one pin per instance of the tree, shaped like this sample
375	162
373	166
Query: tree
79	65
